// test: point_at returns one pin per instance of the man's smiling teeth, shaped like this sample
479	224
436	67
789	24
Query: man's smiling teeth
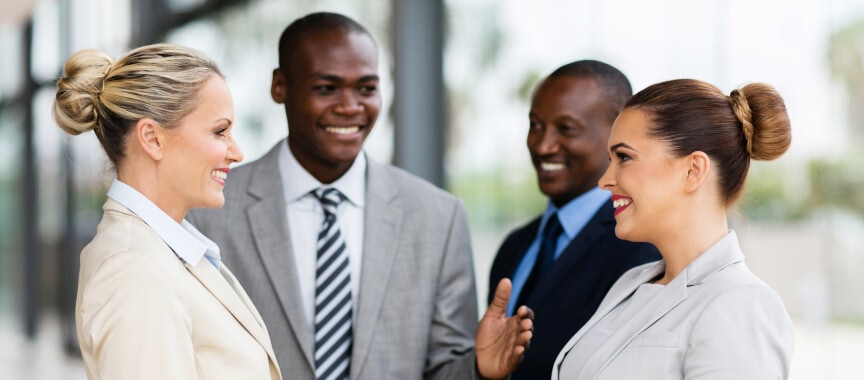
551	166
343	130
618	203
219	174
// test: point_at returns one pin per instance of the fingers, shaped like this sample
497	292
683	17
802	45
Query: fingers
526	330
526	325
525	312
519	350
498	307
525	318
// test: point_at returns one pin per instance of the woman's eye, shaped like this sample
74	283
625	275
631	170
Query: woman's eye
622	156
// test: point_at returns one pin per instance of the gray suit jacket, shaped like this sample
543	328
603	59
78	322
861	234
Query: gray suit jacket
416	311
716	320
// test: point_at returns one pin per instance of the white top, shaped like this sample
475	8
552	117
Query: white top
305	216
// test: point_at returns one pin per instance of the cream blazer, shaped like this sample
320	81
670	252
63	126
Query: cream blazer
143	313
716	320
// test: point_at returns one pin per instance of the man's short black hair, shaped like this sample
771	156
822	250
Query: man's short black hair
314	23
614	84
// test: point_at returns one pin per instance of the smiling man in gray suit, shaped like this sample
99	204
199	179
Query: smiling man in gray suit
360	270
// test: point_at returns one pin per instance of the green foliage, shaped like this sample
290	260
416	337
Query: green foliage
846	60
836	184
499	198
767	196
529	82
846	53
793	192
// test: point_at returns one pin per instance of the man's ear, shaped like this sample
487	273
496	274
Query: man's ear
150	137
279	86
698	166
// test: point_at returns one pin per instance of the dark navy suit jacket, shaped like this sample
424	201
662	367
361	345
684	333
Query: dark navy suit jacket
571	290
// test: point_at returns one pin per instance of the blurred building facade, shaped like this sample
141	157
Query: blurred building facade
52	186
457	79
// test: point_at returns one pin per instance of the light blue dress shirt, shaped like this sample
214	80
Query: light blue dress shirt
184	239
573	217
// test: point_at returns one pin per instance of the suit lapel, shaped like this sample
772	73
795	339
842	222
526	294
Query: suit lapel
516	251
575	250
383	220
229	297
232	281
722	254
269	226
238	289
620	291
667	299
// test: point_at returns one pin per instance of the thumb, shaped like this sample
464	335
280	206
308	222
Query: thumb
498	307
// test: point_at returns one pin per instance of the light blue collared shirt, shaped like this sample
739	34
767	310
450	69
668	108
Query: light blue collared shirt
184	239
573	217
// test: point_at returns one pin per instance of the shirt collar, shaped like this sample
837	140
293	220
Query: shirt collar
298	182
184	239
578	212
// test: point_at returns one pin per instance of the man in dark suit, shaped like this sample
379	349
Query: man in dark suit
359	269
563	262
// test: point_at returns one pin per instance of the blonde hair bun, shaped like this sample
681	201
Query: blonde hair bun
77	107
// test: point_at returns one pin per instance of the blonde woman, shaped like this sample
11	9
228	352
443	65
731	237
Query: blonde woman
154	301
680	151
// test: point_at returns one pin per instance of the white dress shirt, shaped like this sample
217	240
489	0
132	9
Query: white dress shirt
305	216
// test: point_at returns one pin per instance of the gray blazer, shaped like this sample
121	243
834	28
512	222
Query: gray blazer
716	320
416	311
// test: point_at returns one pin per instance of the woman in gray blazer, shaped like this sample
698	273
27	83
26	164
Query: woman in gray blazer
154	300
680	152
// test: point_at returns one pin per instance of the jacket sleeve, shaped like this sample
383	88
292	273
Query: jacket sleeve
451	342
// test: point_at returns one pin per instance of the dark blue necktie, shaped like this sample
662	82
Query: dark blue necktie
545	258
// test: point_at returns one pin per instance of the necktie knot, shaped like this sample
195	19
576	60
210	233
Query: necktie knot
549	244
553	228
329	198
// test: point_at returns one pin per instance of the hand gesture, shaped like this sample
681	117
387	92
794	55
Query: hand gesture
501	342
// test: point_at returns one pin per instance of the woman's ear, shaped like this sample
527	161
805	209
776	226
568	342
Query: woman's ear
698	166
149	135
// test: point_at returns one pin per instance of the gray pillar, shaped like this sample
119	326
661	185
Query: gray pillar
29	207
151	21
419	107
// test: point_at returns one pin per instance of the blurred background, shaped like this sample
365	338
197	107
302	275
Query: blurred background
462	72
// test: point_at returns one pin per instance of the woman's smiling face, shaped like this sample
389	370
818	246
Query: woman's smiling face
644	178
200	150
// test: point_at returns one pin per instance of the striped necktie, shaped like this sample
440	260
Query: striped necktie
332	295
